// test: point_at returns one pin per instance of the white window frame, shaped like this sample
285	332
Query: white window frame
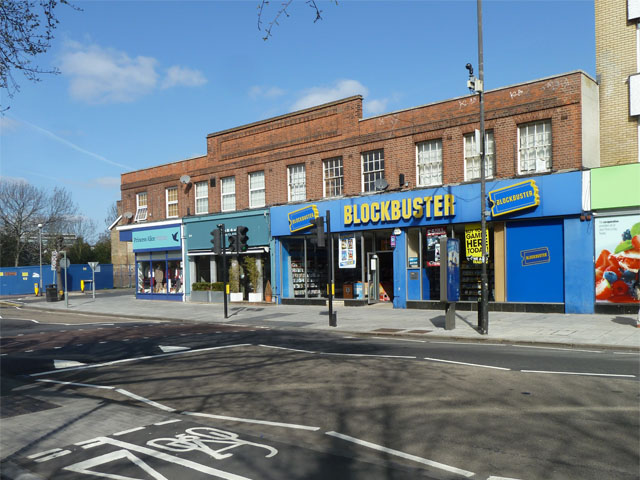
472	156
171	203
332	177
141	209
256	190
297	182
227	184
535	148
372	164
429	163
202	193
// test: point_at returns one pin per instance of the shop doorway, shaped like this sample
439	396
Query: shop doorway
379	254
373	278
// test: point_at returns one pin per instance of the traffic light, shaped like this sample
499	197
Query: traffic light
319	230
243	238
233	243
216	241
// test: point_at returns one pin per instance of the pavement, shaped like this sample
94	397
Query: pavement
553	329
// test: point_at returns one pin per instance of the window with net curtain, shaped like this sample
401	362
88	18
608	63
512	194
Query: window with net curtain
372	169
297	183
256	189
429	163
472	156
534	153
172	202
333	177
228	193
202	198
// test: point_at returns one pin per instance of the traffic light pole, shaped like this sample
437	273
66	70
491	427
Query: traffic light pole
223	252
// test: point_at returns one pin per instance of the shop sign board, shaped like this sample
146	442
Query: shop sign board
347	251
535	256
514	198
302	218
617	242
167	238
473	242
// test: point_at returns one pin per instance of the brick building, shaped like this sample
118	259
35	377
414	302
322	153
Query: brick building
392	183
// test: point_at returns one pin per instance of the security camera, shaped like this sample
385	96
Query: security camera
469	67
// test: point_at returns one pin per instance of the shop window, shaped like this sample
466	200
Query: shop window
534	153
172	202
297	183
472	156
372	169
144	277
471	262
228	192
202	198
308	269
256	189
141	207
333	177
429	163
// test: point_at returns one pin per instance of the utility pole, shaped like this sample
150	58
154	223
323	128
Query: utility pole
223	251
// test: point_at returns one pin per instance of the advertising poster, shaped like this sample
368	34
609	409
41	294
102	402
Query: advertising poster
450	270
347	251
473	243
433	245
617	242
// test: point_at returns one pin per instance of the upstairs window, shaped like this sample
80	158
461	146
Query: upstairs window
429	163
297	183
256	189
228	192
372	169
472	156
172	202
534	153
141	207
202	198
333	177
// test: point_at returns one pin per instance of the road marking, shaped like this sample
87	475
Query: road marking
248	420
558	348
145	400
167	422
367	355
54	455
626	353
42	454
66	363
467	364
398	453
285	348
169	348
74	384
131	430
493	477
403	340
588	374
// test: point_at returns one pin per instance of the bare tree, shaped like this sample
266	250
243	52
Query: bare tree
282	11
26	31
23	207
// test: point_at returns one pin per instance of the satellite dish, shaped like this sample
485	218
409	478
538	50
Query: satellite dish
127	215
381	184
185	179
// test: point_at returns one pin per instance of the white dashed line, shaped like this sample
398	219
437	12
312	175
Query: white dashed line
588	374
131	430
467	364
248	420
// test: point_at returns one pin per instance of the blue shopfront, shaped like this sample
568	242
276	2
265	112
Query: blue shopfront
159	260
386	246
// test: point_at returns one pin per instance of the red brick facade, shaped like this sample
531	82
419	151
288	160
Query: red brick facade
337	129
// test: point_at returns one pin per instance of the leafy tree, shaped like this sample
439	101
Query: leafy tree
22	208
26	31
80	252
102	250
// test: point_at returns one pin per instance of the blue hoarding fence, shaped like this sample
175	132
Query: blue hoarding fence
21	280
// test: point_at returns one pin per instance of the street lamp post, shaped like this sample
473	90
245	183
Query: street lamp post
40	231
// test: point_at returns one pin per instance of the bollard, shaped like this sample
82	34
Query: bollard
36	289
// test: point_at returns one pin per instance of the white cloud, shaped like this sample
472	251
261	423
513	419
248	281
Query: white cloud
183	76
319	95
7	125
105	75
375	107
107	182
258	91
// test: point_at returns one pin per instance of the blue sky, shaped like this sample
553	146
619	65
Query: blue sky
143	82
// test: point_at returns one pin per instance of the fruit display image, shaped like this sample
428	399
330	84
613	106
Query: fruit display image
618	262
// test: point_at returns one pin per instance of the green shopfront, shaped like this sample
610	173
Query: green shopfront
386	246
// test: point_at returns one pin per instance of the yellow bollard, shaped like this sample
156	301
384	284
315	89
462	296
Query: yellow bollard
36	289
82	285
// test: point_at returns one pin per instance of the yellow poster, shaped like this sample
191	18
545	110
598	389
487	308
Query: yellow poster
473	242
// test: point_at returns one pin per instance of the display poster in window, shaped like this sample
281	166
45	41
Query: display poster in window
347	251
617	241
433	245
473	243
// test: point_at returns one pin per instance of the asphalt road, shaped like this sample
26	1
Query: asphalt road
332	407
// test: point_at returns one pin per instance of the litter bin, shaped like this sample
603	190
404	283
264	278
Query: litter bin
52	293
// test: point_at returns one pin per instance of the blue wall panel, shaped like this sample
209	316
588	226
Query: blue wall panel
400	272
540	280
413	286
25	277
579	267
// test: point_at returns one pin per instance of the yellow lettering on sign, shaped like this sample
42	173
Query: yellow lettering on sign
348	214
375	212
356	218
395	210
427	203
449	209
364	214
407	213
437	206
417	207
385	212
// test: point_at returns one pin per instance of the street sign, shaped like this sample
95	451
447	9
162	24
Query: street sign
93	265
64	263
